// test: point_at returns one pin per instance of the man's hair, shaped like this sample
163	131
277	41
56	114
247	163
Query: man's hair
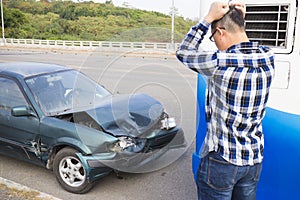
232	21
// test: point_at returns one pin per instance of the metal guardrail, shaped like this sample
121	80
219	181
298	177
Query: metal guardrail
90	45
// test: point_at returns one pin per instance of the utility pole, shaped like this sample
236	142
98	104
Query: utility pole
173	23
2	22
200	13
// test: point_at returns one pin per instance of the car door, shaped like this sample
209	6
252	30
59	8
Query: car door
17	134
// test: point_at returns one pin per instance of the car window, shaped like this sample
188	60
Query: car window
59	92
10	95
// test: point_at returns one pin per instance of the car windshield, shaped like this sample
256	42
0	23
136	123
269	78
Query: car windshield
59	92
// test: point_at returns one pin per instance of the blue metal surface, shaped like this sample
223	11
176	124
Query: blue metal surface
200	123
280	176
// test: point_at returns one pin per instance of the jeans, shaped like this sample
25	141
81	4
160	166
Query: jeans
220	180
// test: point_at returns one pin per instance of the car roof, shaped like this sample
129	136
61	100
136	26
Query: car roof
27	69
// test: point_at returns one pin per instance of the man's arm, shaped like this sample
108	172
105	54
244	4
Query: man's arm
189	53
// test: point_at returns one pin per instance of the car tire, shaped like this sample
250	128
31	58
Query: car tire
70	172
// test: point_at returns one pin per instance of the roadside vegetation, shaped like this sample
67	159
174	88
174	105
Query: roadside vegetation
58	20
7	193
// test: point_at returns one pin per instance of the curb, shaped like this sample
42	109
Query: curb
158	52
13	185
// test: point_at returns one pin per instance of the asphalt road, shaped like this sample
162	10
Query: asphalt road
160	76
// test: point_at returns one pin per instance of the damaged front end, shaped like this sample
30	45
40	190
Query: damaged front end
142	129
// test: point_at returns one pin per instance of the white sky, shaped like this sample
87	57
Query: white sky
186	8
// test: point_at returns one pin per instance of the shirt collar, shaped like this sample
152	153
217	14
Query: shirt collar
244	45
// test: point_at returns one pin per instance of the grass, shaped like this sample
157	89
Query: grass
20	194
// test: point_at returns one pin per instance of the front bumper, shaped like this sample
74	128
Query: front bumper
173	138
99	165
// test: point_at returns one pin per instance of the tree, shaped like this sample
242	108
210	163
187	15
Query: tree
69	13
88	21
14	19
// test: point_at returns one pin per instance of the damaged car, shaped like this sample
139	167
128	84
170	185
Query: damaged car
59	118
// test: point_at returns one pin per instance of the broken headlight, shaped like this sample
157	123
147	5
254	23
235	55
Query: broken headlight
127	144
167	122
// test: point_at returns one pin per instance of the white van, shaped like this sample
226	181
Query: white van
273	23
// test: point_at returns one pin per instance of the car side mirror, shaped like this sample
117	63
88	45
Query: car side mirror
22	111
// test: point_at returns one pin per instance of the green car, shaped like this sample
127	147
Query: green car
57	117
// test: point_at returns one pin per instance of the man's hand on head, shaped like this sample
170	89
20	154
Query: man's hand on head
239	6
217	11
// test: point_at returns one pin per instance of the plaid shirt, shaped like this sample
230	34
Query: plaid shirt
238	85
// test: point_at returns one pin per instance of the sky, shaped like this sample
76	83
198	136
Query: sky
186	8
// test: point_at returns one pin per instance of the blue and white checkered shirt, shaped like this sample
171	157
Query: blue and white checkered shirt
238	85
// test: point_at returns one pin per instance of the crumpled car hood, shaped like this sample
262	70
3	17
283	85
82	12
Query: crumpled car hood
131	115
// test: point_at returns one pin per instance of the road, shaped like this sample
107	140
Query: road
160	76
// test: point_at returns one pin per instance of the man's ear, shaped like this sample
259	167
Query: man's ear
221	31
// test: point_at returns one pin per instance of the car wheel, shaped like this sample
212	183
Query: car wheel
70	172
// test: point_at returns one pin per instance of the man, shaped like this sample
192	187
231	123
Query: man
239	75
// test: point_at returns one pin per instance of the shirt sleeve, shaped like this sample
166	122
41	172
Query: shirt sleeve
203	62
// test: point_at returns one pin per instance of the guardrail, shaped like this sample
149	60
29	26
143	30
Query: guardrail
91	45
